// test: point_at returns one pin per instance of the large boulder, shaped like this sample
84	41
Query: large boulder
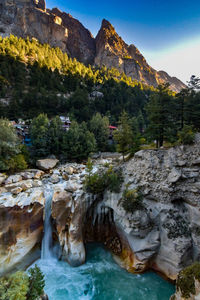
21	228
68	217
46	164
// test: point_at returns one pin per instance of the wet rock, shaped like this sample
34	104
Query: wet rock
55	178
44	297
37	183
16	190
65	176
13	179
27	175
38	174
69	170
2	178
71	186
24	185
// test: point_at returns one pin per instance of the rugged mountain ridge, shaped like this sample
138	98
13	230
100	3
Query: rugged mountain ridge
31	18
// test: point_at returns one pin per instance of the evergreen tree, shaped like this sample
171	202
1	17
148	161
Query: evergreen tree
99	126
36	283
55	134
124	135
79	105
78	142
9	143
39	135
160	112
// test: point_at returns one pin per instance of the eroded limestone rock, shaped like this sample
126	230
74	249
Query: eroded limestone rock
21	227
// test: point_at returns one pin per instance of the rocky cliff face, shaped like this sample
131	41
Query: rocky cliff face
112	51
59	29
30	18
21	220
163	234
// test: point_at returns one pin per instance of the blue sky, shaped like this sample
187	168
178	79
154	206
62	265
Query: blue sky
167	32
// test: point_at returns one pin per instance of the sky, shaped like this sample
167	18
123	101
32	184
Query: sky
167	32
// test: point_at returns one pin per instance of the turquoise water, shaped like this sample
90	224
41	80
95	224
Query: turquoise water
101	279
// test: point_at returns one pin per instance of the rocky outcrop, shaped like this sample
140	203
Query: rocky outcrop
21	228
80	42
112	51
31	18
163	233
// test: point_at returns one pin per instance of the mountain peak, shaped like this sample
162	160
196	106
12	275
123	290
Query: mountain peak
31	18
106	24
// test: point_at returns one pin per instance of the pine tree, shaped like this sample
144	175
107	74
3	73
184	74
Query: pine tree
124	135
78	142
39	135
9	143
160	113
99	126
55	134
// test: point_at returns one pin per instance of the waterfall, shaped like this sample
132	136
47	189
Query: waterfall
46	252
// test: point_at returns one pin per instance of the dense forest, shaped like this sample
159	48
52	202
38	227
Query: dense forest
40	83
36	79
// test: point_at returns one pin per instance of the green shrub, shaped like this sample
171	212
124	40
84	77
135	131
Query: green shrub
17	163
22	286
186	135
186	280
14	287
132	200
114	180
98	182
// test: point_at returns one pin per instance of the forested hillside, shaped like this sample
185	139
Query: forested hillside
36	78
41	83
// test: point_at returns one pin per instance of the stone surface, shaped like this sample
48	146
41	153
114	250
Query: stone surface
55	178
16	190
2	178
21	227
13	179
164	234
46	164
112	51
69	170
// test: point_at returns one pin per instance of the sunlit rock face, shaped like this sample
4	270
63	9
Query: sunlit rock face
112	51
59	29
30	18
21	227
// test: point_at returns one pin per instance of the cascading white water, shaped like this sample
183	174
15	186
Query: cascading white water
46	252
